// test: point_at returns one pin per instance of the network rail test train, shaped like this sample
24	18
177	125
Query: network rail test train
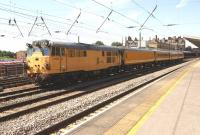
50	61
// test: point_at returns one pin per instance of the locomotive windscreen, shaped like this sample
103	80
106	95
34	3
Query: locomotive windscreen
31	50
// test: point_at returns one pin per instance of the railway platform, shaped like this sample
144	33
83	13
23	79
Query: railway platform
168	106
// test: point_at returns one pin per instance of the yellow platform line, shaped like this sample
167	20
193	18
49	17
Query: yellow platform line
147	115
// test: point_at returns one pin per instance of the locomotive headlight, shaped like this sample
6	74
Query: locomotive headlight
47	66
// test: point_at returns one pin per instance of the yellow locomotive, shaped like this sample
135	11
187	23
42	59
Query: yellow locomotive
55	61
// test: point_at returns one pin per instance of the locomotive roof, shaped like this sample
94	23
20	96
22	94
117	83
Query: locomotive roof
82	46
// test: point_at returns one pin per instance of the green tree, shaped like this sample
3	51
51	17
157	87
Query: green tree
99	43
116	44
7	54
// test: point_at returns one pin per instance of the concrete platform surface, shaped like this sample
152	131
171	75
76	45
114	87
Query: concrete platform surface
171	106
179	113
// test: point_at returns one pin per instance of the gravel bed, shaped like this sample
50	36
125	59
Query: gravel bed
33	122
22	99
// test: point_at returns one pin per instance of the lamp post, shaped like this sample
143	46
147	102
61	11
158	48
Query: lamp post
140	35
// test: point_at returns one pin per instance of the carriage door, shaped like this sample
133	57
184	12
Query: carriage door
55	61
122	55
63	60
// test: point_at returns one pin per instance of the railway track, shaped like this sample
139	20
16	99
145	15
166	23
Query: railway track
19	91
54	128
28	107
14	82
88	110
60	96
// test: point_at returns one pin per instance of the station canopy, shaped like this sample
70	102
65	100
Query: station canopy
194	40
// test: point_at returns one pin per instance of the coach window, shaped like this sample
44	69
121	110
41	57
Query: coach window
113	59
85	53
108	53
71	53
82	53
113	53
109	58
103	53
78	53
62	51
53	51
57	51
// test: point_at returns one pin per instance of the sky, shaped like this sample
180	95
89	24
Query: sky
59	15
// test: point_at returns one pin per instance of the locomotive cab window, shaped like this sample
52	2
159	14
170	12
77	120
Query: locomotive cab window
43	50
29	51
71	53
53	51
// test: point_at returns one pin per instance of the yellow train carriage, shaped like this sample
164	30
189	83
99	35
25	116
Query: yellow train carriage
138	56
46	57
175	55
162	55
180	55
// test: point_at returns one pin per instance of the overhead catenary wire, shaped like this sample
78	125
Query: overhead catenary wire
135	21
25	15
54	23
31	16
77	8
85	11
49	18
32	11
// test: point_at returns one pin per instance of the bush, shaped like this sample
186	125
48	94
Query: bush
99	43
116	44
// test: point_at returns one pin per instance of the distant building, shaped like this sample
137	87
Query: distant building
21	55
131	43
171	43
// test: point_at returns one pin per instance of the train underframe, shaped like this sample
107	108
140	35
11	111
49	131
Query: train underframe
73	77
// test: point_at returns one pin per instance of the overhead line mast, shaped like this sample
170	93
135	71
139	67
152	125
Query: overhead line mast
76	21
104	21
144	24
35	24
18	27
117	12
